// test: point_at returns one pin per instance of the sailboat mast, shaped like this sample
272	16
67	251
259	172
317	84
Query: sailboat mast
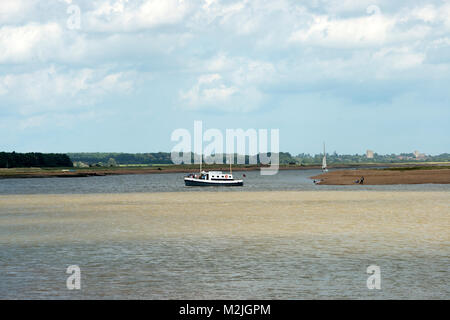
230	164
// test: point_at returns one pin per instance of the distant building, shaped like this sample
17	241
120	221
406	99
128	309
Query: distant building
369	154
419	155
79	164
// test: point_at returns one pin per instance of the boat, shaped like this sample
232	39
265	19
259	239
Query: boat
324	160
212	178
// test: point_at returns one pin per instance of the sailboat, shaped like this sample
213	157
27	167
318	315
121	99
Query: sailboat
324	160
212	178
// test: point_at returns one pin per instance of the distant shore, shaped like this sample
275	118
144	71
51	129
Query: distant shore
386	176
341	177
123	170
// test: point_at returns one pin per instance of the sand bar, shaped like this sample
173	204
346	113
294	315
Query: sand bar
383	177
363	215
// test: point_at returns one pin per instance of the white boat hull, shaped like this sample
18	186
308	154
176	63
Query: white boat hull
205	183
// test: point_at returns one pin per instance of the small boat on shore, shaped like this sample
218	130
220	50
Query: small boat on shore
212	178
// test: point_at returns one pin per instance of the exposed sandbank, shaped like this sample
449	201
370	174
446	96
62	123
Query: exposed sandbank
125	216
384	177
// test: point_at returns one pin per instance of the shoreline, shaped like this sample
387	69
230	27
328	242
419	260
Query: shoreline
14	173
385	177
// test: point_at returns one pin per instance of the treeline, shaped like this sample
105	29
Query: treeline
122	158
334	158
147	158
14	160
284	158
34	159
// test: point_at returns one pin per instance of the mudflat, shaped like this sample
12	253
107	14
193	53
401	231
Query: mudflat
384	177
243	214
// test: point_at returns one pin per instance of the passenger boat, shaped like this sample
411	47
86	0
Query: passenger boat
212	178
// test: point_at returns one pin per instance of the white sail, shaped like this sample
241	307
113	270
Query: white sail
324	160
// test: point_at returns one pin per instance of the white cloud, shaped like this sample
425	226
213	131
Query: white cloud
209	90
127	16
352	32
253	18
240	69
60	119
57	89
25	42
343	6
233	87
213	9
208	78
398	58
427	13
373	27
38	43
218	96
223	54
15	11
440	43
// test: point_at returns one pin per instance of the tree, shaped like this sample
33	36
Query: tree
112	162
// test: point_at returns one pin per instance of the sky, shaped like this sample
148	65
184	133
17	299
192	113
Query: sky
121	76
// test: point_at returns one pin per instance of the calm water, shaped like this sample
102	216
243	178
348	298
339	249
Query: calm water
173	182
133	242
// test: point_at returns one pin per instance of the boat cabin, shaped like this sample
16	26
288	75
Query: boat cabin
212	175
218	175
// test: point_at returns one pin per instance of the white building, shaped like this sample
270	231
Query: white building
419	155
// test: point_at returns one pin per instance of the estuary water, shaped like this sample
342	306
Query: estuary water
173	182
280	237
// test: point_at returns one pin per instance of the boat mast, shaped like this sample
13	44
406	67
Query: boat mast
230	165
201	160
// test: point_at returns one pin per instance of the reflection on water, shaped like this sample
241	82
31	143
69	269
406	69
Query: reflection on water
291	245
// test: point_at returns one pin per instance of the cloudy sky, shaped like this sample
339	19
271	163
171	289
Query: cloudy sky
357	74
